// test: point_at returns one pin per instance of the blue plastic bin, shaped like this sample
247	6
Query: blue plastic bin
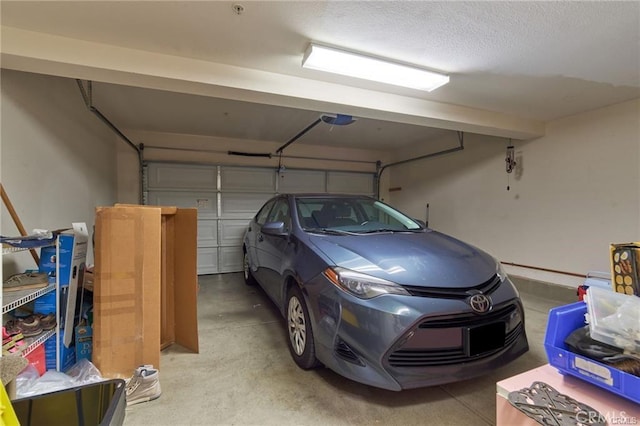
562	321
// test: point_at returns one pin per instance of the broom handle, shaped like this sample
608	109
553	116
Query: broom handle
16	220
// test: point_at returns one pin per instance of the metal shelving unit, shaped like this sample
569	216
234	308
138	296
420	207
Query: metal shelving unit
14	299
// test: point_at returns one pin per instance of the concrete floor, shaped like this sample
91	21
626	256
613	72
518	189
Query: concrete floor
244	374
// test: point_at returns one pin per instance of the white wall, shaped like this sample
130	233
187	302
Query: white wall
574	191
58	160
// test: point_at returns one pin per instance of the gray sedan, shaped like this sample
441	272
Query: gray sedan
379	298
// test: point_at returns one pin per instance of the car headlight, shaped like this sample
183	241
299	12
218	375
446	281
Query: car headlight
514	319
500	271
362	285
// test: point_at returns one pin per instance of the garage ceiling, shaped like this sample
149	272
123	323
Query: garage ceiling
513	65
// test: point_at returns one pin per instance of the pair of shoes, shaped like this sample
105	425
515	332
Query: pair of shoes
47	321
25	281
29	326
143	386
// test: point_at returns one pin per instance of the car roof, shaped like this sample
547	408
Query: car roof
320	195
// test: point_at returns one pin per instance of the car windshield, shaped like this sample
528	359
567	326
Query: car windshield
357	215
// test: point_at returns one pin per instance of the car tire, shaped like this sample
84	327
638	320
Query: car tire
299	331
246	267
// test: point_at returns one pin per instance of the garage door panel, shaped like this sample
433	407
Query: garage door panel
244	205
207	233
297	181
230	259
205	202
237	179
174	176
208	260
350	183
227	197
232	231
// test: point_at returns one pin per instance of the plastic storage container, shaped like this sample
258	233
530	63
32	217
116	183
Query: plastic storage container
562	321
614	318
101	403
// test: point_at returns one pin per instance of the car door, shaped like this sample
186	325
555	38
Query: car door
273	248
253	235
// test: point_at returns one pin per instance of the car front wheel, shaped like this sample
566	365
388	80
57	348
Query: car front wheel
301	344
248	276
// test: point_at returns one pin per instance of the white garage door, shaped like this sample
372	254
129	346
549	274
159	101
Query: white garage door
228	197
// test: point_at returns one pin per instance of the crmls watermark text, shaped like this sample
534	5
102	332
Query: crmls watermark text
611	418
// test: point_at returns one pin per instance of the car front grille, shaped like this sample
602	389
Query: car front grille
453	293
468	320
403	358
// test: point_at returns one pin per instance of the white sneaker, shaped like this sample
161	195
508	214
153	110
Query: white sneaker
137	372
144	386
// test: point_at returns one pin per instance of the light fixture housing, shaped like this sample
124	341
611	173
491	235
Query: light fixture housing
340	61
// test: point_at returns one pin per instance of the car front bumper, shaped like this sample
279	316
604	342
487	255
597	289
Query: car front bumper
401	342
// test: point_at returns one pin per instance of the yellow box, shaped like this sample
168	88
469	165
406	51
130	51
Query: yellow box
625	268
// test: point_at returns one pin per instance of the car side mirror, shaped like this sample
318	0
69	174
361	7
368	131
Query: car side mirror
421	222
274	228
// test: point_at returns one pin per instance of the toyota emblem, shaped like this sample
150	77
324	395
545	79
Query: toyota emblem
480	303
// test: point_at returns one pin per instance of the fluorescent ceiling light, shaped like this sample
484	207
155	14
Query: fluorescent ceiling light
355	65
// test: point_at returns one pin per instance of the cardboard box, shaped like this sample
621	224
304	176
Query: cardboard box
46	304
145	285
67	354
83	342
53	264
78	265
625	268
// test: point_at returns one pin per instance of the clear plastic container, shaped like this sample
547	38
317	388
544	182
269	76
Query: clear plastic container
614	318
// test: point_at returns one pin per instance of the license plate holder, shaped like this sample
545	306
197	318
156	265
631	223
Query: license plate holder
484	338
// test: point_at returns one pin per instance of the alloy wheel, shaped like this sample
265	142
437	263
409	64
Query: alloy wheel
245	266
297	326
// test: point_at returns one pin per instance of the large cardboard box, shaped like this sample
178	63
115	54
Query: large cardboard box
625	268
145	285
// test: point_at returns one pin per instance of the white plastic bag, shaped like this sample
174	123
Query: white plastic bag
29	383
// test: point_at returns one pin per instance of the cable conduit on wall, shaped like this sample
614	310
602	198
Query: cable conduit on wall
88	100
297	157
460	147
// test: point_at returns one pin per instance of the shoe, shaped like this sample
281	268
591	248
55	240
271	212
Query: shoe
13	343
143	386
47	321
13	338
29	326
137	372
25	281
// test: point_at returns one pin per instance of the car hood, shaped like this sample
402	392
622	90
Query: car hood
428	259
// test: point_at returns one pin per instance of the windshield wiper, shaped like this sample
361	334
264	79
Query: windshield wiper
330	231
381	230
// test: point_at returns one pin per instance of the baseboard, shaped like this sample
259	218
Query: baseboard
544	289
